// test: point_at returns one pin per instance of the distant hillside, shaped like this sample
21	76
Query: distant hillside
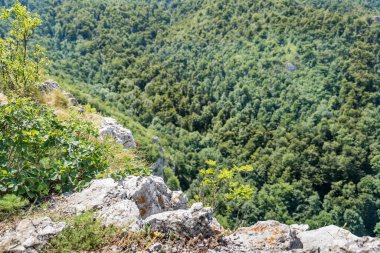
292	87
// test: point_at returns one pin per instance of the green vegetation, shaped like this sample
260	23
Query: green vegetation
83	233
86	233
10	204
40	155
226	190
45	146
290	87
21	65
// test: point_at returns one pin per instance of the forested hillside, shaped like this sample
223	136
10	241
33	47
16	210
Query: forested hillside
290	87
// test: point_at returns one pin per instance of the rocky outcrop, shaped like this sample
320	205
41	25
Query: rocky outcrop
122	213
336	239
161	162
376	19
152	196
196	221
95	197
264	236
3	99
126	202
290	67
30	235
123	136
272	236
136	202
51	85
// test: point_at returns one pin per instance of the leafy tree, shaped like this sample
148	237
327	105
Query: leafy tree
21	64
291	87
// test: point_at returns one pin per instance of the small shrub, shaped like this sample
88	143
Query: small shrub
123	163
57	99
10	204
40	155
171	179
377	229
83	233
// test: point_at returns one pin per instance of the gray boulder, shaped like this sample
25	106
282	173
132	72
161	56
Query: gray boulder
49	86
30	235
336	239
123	136
100	193
126	202
290	67
376	19
264	236
152	196
3	99
189	223
122	213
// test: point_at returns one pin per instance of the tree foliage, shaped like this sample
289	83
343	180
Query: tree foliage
291	87
21	64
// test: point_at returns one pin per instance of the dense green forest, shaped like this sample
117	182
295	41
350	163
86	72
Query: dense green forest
289	87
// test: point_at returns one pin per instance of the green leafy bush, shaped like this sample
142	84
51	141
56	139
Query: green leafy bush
40	154
226	190
171	180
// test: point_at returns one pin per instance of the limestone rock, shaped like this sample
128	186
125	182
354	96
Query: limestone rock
189	223
122	213
158	167
97	195
155	247
299	228
152	196
50	85
3	99
30	235
290	67
126	202
110	127
264	236
336	239
179	200
376	19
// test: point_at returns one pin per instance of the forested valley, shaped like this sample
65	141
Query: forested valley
290	88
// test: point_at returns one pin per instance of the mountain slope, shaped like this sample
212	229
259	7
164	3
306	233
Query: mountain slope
289	86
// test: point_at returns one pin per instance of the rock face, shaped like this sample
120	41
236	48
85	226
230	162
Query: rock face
290	67
138	201
30	235
189	223
125	202
376	19
264	236
51	85
152	195
110	127
336	239
3	99
96	196
122	213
